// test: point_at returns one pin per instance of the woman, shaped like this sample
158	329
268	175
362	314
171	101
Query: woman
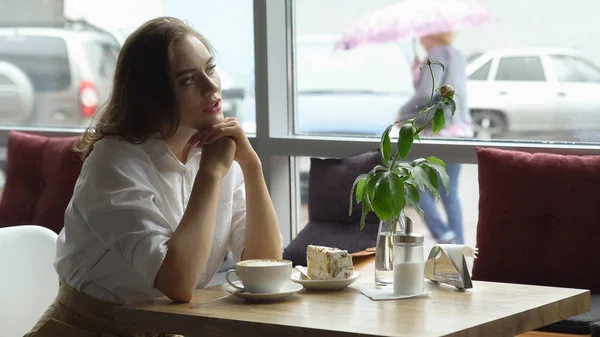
439	48
167	187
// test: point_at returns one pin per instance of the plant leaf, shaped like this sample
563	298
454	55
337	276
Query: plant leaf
450	102
405	139
420	177
424	110
385	146
383	201
442	175
365	211
436	161
369	191
418	161
359	184
402	172
433	177
380	168
438	119
360	187
413	196
402	169
398	197
432	183
401	164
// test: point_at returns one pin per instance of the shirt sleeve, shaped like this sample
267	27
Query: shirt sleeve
238	221
117	203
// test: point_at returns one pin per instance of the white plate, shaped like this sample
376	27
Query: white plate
324	284
289	290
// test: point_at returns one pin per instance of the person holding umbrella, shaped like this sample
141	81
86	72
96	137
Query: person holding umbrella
439	48
433	22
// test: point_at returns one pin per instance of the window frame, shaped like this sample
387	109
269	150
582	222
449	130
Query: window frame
277	148
274	140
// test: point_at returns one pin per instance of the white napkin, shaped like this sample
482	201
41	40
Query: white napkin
387	293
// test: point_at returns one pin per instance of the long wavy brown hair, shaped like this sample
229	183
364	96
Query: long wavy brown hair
142	99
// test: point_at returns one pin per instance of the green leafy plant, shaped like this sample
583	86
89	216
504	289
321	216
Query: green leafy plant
387	187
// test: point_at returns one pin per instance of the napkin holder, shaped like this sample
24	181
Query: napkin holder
447	265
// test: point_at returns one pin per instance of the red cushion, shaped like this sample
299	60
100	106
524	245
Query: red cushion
539	219
40	176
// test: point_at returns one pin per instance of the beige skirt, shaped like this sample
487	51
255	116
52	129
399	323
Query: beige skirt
76	314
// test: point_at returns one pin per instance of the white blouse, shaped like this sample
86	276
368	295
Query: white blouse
127	202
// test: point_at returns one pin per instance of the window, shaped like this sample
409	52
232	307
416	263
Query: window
308	100
57	58
572	69
520	68
482	73
518	99
229	28
336	88
60	59
364	70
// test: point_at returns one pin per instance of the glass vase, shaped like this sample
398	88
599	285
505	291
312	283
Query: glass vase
384	250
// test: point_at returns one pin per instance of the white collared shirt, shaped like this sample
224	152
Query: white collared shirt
127	203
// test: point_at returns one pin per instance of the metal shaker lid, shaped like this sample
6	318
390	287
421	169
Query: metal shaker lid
408	236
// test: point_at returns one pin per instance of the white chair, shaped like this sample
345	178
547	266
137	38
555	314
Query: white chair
28	281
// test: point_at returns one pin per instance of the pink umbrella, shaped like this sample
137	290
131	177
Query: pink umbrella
413	18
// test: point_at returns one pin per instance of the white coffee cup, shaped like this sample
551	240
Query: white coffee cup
261	276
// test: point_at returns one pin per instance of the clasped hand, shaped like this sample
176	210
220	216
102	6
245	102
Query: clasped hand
224	142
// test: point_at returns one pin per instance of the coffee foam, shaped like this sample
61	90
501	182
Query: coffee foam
263	263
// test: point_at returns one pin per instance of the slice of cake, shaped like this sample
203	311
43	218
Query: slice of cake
326	263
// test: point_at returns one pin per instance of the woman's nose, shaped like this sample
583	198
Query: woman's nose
209	86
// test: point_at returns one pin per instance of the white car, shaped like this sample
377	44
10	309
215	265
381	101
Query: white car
533	90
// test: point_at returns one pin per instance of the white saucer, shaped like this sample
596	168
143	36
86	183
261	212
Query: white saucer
324	284
289	290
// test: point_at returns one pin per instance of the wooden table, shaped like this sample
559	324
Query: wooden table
489	309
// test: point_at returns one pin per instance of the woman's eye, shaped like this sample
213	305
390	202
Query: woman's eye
189	80
211	68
